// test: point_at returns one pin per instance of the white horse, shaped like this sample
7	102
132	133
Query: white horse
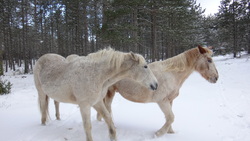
85	81
72	57
171	74
69	58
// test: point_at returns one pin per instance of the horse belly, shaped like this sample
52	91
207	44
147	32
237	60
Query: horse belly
139	94
61	94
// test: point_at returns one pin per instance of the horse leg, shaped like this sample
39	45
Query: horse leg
107	101
169	115
85	112
170	130
43	105
100	108
57	110
99	116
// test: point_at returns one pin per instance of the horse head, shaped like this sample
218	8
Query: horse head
205	65
140	72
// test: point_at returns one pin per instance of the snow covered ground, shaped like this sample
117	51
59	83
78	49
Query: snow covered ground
203	111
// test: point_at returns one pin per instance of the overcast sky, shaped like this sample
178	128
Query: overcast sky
211	6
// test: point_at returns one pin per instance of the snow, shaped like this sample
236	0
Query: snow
203	111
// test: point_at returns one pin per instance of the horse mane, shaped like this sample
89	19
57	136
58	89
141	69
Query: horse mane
183	60
114	58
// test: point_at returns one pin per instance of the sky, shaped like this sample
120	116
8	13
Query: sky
211	6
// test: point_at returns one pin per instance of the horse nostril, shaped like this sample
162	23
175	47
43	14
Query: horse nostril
214	79
154	87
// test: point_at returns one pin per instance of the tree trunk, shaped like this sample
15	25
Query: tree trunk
24	36
135	31
1	63
234	33
153	35
85	28
96	28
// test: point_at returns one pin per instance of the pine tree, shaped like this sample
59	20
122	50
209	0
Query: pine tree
233	19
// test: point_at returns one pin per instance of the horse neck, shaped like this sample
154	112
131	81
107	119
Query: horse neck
182	65
114	75
191	57
181	76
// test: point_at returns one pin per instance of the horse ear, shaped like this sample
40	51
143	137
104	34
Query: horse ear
133	56
201	49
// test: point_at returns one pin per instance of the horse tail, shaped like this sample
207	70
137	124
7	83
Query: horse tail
43	99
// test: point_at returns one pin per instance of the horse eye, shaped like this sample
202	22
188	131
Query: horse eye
209	61
145	66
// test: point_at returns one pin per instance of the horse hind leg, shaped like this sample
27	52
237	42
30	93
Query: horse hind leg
57	110
43	104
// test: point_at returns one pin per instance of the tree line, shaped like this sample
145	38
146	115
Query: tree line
230	26
157	29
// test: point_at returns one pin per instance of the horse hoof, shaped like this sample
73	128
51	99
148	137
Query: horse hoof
113	139
158	134
171	132
154	136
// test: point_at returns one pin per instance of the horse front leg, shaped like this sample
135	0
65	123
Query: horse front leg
85	112
100	108
107	102
170	130
169	115
57	110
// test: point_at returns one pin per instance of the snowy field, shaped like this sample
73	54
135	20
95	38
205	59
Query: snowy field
203	111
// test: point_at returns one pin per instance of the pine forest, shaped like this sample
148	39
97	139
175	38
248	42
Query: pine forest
157	29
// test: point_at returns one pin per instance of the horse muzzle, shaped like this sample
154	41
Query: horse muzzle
213	79
154	87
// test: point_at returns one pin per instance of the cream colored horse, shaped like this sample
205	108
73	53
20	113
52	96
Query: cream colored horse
69	58
72	57
85	81
171	74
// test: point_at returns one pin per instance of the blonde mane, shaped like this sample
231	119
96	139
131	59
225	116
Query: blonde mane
114	58
177	63
183	60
